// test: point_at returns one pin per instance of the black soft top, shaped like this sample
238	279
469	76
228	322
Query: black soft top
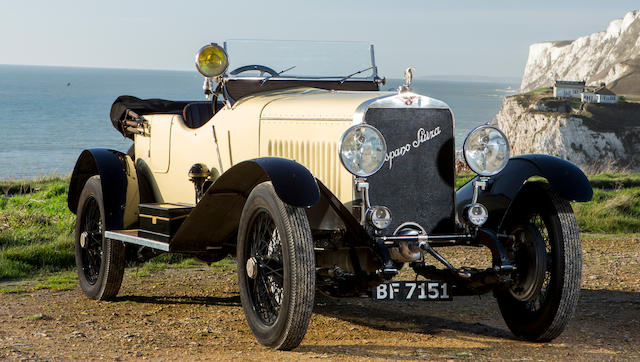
142	106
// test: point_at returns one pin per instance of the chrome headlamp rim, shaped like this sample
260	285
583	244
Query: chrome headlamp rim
384	146
464	148
226	60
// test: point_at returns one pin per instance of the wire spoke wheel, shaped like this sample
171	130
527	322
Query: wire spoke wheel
548	259
265	246
276	269
100	261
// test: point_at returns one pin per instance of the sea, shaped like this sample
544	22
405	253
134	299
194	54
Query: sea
48	115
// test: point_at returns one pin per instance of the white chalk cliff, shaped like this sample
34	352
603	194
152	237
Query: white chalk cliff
590	143
611	56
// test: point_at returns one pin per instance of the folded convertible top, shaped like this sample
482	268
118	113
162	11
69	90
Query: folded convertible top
142	106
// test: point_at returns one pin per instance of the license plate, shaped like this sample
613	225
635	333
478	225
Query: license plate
417	290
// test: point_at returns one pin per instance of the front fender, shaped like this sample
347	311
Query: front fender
109	164
293	183
215	219
565	179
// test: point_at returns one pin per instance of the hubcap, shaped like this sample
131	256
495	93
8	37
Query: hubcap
83	240
252	268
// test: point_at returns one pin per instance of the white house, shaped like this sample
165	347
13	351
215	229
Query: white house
600	95
605	95
568	89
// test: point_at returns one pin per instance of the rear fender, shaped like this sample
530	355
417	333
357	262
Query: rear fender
119	185
565	179
215	219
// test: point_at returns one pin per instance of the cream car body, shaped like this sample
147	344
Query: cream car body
300	124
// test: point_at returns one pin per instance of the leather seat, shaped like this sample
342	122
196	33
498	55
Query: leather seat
197	114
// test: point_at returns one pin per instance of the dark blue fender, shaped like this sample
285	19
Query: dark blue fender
113	178
565	179
215	219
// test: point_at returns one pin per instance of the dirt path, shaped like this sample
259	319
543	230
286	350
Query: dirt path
180	314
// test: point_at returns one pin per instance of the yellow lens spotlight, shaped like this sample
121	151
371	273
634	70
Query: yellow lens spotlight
211	60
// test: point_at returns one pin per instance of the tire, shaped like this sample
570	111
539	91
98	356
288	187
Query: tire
100	261
548	257
276	269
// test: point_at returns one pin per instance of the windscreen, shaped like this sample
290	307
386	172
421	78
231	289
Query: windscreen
303	59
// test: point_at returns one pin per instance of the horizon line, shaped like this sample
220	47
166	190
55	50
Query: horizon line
195	71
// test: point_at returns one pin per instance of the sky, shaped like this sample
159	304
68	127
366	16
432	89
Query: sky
438	38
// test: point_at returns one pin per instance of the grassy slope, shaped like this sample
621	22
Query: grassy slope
615	207
36	228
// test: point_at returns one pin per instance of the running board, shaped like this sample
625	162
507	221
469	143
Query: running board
131	237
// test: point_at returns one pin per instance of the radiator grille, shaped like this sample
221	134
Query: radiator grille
321	158
417	181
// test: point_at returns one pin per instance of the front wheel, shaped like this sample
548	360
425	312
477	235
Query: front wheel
276	269
548	258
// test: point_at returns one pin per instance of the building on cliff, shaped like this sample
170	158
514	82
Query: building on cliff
568	89
600	95
598	137
605	95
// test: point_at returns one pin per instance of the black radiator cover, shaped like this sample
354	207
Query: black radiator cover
418	183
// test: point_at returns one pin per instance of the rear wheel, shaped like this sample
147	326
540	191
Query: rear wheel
548	257
276	269
100	261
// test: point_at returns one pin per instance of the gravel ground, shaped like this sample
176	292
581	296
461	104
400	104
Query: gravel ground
186	314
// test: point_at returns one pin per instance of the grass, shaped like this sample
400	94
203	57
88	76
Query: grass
564	105
544	91
629	98
609	181
462	179
178	261
36	228
12	290
59	281
615	207
162	262
527	99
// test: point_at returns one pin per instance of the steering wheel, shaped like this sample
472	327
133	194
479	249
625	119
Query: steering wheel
261	68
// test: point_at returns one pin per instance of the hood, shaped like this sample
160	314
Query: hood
316	104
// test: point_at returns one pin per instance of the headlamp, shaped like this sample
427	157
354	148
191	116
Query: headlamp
486	150
362	150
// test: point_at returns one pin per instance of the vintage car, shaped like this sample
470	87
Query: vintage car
317	181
